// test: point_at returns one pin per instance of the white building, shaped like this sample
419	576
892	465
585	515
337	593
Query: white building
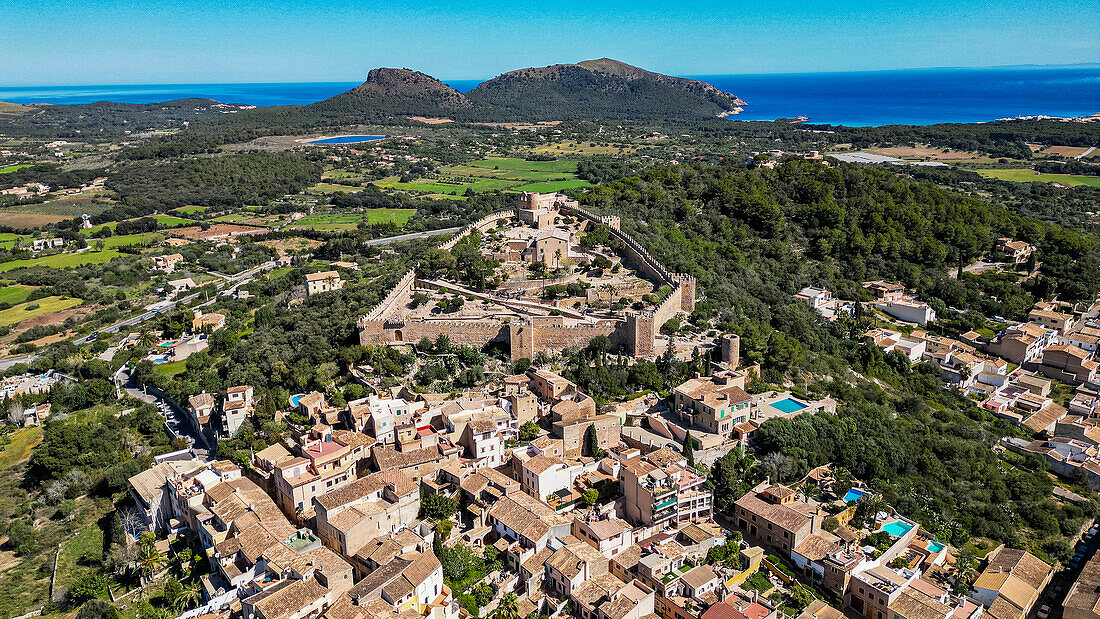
909	311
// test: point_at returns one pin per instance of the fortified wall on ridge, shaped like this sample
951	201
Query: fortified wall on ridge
527	327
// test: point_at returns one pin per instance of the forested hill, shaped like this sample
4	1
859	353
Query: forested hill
597	89
69	121
836	227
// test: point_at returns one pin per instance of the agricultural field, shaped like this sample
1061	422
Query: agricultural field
1023	175
552	186
191	210
8	239
60	261
349	221
170	221
13	168
494	174
15	294
515	163
46	305
330	188
584	148
112	242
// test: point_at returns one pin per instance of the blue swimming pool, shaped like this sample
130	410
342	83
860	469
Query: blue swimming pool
788	405
347	139
853	495
934	546
897	528
294	400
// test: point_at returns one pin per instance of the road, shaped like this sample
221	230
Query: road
174	418
409	237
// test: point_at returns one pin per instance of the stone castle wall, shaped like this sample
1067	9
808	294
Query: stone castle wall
528	336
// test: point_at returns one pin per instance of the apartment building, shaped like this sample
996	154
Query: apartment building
660	489
324	461
1011	584
1023	343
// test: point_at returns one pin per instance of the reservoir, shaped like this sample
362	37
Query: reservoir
347	139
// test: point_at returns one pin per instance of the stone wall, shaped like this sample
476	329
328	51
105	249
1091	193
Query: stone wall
528	336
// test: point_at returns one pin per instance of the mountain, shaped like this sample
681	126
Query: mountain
598	89
393	92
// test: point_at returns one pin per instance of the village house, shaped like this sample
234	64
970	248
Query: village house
377	505
152	491
545	476
167	263
1023	343
211	320
819	299
1083	597
1045	315
325	461
572	565
201	408
769	515
236	409
410	583
324	281
715	403
890	341
607	534
885	291
1069	364
1012	251
909	311
1011	584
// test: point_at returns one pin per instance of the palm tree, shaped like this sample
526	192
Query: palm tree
508	607
146	337
190	596
150	560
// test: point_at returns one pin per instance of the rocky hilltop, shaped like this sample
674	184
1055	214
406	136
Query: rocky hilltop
603	89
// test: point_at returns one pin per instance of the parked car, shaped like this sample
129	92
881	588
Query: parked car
1044	612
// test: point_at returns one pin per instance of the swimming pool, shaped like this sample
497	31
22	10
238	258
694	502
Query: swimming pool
294	400
788	405
853	495
166	344
347	139
897	528
934	547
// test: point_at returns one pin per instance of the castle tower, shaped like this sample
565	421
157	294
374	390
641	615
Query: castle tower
731	350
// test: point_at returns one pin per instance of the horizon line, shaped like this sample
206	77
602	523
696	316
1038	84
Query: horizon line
1088	64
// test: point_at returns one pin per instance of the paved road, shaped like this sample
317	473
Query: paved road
10	361
409	237
174	418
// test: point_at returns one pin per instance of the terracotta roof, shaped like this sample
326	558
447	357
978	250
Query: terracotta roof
525	515
1084	594
322	275
722	610
780	515
389	458
570	559
699	576
816	548
539	464
282	601
202	400
1022	564
915	605
397	481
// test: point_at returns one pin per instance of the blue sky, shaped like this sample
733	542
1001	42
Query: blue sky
56	42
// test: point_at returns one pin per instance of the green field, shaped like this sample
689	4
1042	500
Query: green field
232	218
13	168
15	293
1023	175
61	261
349	221
519	175
190	210
550	186
170	221
45	305
514	163
8	239
112	242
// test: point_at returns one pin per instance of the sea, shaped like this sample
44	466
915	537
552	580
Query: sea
910	97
